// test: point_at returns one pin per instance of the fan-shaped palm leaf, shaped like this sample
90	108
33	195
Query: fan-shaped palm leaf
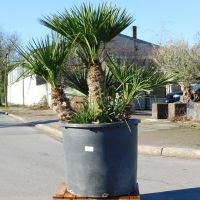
45	58
93	28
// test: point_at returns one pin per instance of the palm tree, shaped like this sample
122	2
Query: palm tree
45	58
92	28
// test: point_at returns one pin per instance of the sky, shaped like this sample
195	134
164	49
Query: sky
157	21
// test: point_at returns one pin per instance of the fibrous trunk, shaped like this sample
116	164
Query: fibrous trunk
95	80
61	104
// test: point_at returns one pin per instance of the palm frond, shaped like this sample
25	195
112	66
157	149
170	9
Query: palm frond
45	57
133	80
77	78
92	26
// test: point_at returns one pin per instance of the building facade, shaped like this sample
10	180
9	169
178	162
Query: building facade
26	91
31	90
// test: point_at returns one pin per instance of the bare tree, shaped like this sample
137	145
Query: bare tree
8	54
181	61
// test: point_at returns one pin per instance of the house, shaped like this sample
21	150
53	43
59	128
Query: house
131	48
139	52
31	90
26	91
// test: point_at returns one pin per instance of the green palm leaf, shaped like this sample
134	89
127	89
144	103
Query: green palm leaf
133	80
93	27
45	57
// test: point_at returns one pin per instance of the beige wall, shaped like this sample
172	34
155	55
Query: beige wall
126	47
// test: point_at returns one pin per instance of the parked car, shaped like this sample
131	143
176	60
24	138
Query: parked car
173	97
196	87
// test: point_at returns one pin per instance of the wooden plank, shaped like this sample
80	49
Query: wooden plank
62	193
69	196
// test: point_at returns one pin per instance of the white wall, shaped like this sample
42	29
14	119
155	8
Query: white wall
26	92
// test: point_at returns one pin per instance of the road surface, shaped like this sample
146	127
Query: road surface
32	166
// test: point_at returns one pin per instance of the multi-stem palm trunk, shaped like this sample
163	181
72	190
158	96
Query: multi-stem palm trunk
61	104
95	80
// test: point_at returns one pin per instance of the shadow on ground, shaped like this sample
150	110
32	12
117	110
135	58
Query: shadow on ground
184	194
143	112
32	123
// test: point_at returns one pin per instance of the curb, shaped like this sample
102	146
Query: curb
142	149
181	152
47	129
150	150
169	151
17	117
51	131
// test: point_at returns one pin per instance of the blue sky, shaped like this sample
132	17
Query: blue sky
157	20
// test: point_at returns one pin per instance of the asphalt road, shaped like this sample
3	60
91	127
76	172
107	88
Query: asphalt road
162	178
31	164
32	167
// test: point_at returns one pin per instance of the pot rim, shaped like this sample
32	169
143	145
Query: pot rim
102	125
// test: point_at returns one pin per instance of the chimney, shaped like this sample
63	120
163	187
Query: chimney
134	32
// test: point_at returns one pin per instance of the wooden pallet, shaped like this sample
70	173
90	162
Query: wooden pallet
62	193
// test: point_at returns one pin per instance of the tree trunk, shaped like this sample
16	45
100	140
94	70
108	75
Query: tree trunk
186	94
195	95
95	80
0	99
61	104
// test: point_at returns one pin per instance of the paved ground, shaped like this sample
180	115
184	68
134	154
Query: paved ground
168	134
152	132
31	163
29	113
162	178
156	137
31	167
163	133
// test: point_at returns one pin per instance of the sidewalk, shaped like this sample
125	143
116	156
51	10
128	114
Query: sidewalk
155	137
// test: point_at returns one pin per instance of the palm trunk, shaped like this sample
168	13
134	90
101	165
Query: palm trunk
95	80
61	104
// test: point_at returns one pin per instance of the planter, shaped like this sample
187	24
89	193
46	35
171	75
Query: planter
193	111
176	110
101	159
160	110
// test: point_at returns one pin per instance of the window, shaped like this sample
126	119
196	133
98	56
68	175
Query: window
39	80
15	74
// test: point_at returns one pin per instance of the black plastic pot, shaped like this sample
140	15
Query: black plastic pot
101	159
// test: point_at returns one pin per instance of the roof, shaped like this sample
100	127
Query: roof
137	40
